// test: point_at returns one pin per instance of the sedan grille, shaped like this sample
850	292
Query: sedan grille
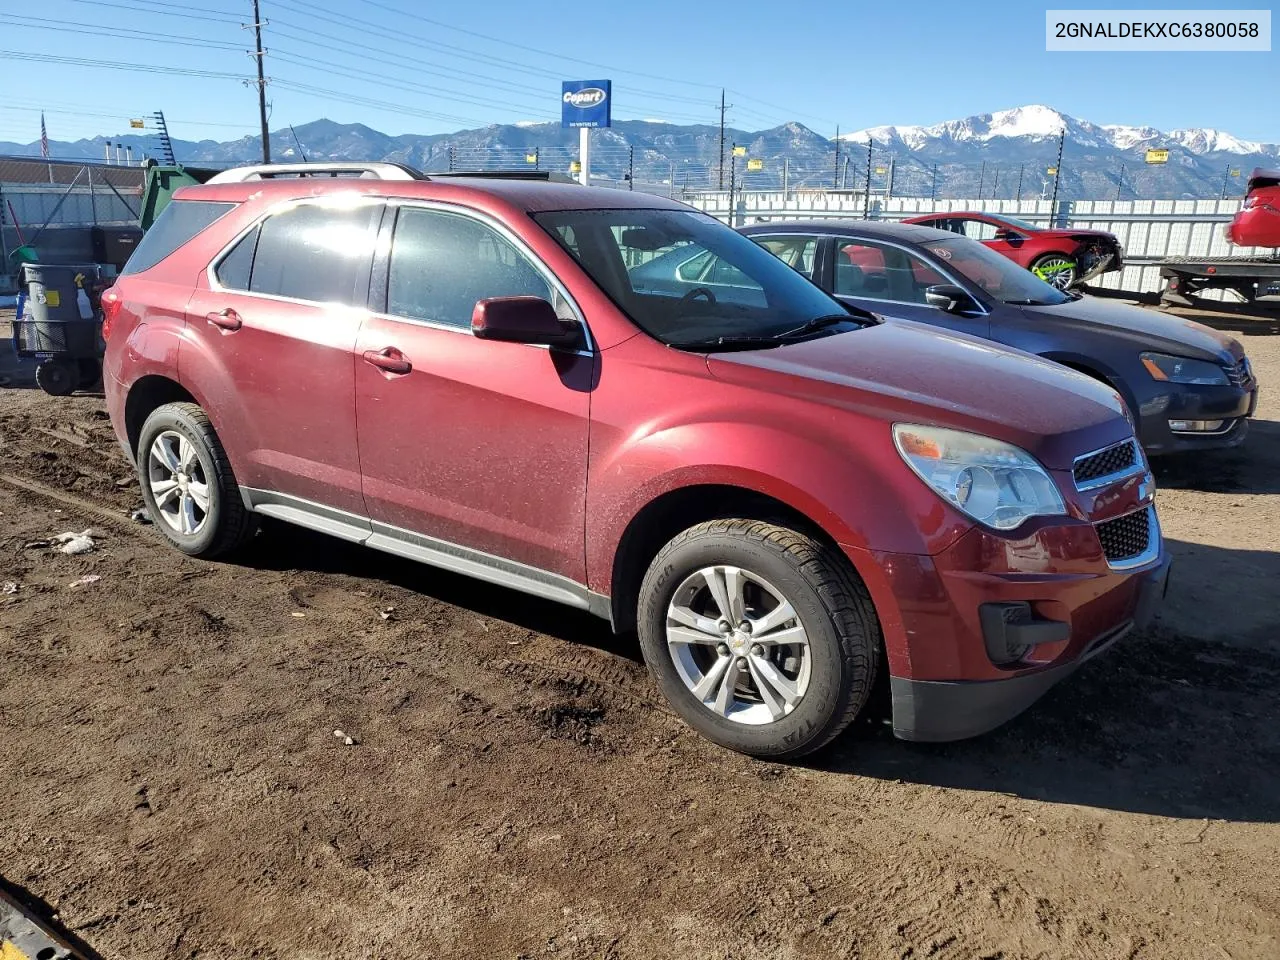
1094	469
1127	537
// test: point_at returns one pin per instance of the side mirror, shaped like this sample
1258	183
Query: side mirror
523	320
950	298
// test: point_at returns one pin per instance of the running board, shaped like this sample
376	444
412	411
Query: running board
428	550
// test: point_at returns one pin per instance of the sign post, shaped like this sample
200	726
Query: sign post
585	104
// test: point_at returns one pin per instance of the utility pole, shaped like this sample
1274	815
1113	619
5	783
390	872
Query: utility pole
888	187
672	181
1020	169
631	167
844	174
723	108
262	83
1057	175
995	183
836	182
786	178
1226	178
866	195
732	177
1119	182
933	190
982	179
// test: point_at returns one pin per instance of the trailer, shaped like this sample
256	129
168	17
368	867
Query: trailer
1255	280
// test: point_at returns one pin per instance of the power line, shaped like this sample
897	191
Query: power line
122	33
114	65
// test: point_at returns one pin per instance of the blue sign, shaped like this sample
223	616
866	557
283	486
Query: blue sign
586	103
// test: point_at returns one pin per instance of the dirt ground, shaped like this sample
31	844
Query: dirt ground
171	785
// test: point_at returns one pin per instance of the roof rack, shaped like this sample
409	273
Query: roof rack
551	176
357	169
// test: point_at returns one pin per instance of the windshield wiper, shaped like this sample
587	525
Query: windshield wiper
768	340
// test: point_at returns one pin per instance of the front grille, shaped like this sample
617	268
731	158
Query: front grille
1126	537
1240	373
1105	463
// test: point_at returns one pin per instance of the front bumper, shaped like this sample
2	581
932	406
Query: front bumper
941	710
1232	404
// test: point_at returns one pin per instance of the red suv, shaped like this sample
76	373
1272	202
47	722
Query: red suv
783	496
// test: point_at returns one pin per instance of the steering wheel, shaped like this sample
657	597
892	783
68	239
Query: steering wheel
695	293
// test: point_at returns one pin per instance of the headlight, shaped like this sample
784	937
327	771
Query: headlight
991	481
1161	366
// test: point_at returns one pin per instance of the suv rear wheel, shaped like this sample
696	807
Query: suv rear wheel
762	638
188	485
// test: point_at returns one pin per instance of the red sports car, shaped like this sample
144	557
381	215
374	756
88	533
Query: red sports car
1063	258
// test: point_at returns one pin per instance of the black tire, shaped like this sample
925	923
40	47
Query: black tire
227	524
90	372
58	378
832	605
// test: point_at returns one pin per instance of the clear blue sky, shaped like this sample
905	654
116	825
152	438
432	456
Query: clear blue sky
385	63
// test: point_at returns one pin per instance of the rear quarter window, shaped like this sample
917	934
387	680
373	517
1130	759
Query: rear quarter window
180	221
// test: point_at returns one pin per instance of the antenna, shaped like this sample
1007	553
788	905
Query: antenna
302	153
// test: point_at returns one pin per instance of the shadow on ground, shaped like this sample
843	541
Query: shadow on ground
286	547
1253	467
1164	723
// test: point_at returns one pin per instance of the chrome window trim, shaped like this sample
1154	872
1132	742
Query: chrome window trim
1139	466
394	203
1155	540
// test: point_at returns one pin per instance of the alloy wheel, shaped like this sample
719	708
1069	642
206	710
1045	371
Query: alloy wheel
1058	272
738	645
178	482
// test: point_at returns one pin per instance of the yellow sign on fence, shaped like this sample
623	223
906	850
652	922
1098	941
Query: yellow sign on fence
137	124
575	167
755	164
530	158
1157	156
882	169
1051	171
739	151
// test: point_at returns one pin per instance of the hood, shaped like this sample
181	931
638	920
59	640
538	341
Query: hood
1148	329
1062	232
905	371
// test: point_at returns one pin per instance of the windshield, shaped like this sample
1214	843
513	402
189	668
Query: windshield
688	280
1018	224
996	274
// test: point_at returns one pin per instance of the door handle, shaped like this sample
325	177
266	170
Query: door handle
389	359
227	319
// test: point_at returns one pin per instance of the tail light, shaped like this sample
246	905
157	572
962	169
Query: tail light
111	304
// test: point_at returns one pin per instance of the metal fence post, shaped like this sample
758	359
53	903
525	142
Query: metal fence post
631	168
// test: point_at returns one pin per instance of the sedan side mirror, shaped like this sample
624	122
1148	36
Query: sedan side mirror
523	320
950	298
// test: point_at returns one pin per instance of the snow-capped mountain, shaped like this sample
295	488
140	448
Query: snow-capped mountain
992	155
1038	122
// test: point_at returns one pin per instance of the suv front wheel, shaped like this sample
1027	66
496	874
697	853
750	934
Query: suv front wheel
187	483
761	637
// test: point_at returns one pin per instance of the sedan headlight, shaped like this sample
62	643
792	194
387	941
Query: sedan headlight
1163	367
995	483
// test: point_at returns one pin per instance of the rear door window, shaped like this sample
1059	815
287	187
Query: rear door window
233	270
318	252
178	222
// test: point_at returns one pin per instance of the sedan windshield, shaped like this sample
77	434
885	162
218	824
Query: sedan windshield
999	276
691	282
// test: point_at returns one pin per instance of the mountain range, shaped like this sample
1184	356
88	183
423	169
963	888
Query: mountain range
987	155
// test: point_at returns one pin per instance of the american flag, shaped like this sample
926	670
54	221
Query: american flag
44	138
